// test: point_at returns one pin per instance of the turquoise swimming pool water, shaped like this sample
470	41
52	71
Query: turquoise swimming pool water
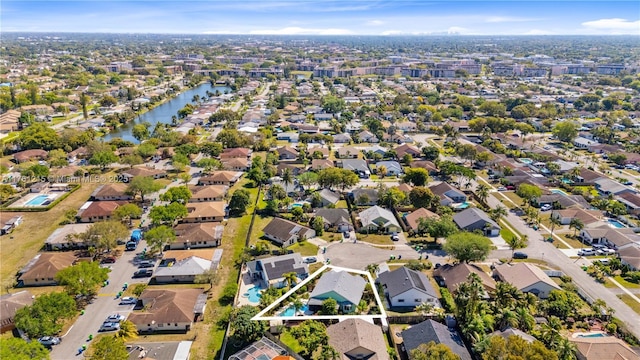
616	224
291	310
525	161
464	205
38	200
253	294
596	335
558	191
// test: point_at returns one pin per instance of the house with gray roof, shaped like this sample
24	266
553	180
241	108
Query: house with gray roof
270	271
358	166
377	218
337	219
364	196
475	219
527	278
609	187
287	233
404	287
430	330
341	138
448	194
514	332
358	339
329	197
183	271
344	288
393	167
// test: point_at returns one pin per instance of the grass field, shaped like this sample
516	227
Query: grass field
630	302
27	239
291	341
305	248
375	239
625	283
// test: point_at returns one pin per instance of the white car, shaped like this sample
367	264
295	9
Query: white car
115	318
605	251
128	301
502	188
49	340
109	326
546	207
586	252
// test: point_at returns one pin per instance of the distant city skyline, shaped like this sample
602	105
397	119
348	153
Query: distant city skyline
328	17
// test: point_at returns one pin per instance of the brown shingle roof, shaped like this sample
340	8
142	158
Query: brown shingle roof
604	348
205	209
349	335
413	219
197	232
47	265
207	191
111	190
522	275
10	303
455	275
30	154
100	208
166	306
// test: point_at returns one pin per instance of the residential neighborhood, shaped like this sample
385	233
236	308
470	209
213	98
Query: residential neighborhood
268	199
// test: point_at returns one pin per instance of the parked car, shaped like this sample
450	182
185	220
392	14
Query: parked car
546	207
310	260
128	301
49	341
109	326
143	273
395	237
108	260
115	318
520	255
146	264
502	188
586	252
131	245
605	251
511	187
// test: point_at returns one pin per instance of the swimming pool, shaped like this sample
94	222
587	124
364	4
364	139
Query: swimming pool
616	224
38	200
526	161
253	294
594	335
291	310
462	206
558	191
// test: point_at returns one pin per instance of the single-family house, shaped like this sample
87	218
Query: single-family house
319	151
270	271
328	197
404	287
348	152
236	164
364	196
472	219
112	191
341	138
93	211
197	235
427	165
144	171
603	348
630	256
344	288
367	136
452	276
30	155
262	349
287	233
431	330
604	233
506	333
527	278
586	216
287	153
631	201
9	305
205	212
448	194
358	166
42	269
319	164
562	201
583	143
404	149
234	153
413	219
357	339
182	271
168	310
393	168
337	219
67	237
608	187
224	177
376	219
207	193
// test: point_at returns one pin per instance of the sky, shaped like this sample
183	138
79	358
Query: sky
324	17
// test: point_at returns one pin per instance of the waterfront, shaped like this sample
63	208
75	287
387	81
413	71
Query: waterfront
164	112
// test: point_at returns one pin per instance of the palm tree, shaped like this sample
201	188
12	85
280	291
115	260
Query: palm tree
298	305
482	192
128	331
362	307
382	171
526	321
328	353
516	242
287	177
598	306
290	278
555	221
373	269
506	318
577	225
498	213
566	349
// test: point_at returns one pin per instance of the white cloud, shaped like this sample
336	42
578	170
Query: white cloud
391	32
456	30
613	24
375	22
294	30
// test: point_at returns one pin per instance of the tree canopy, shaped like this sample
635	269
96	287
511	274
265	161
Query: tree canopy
466	246
180	194
167	214
45	316
109	348
18	349
239	202
83	278
158	237
337	177
142	185
244	328
416	176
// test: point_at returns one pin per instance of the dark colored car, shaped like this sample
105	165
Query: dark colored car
108	260
520	255
143	273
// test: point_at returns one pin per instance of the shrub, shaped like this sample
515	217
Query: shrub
137	289
448	303
228	294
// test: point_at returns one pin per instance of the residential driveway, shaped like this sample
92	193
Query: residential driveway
104	304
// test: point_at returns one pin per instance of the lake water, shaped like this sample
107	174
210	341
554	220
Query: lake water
164	112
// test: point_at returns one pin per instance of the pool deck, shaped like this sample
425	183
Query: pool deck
22	202
245	285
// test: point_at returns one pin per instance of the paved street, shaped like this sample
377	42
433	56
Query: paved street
104	304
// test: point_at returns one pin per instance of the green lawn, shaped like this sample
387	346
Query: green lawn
506	234
506	203
513	197
377	239
625	283
305	248
630	302
572	242
291	342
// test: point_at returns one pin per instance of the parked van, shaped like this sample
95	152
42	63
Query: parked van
131	245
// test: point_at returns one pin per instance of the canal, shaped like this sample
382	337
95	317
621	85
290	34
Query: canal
164	112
